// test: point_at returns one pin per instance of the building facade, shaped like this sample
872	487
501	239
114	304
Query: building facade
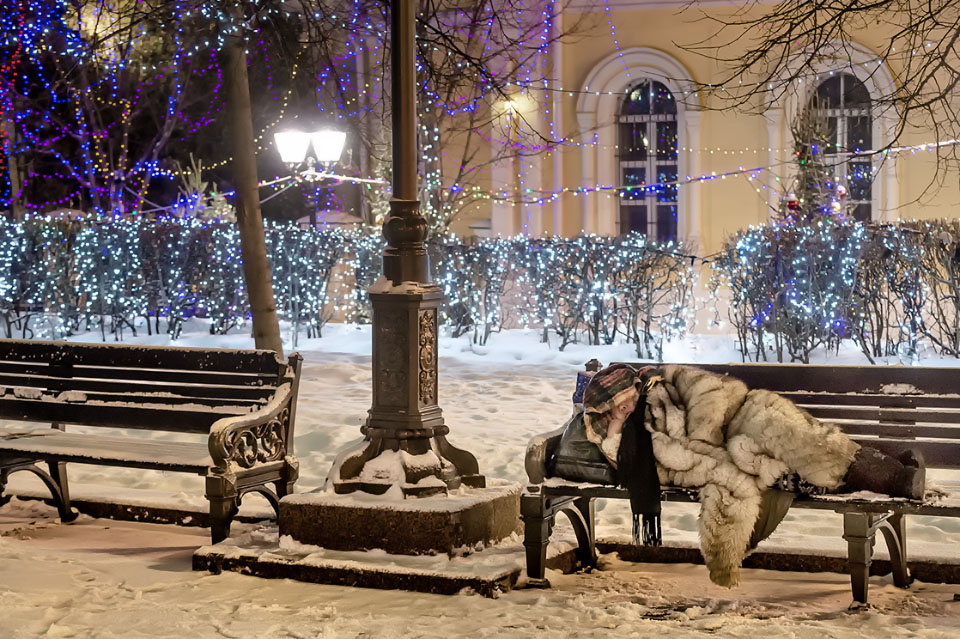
643	149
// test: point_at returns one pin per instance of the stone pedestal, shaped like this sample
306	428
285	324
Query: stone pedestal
451	524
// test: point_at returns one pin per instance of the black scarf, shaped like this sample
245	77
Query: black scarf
637	472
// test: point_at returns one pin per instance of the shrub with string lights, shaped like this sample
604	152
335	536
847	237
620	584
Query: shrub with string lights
61	276
303	261
792	286
938	244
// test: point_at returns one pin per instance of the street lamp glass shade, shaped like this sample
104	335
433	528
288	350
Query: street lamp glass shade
328	144
292	145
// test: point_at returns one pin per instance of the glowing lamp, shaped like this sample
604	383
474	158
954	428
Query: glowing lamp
328	144
292	145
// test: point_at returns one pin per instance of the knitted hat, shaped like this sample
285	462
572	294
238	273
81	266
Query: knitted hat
609	387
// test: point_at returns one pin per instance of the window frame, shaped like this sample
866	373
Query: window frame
841	157
651	163
781	107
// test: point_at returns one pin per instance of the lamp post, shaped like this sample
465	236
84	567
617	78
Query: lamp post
405	417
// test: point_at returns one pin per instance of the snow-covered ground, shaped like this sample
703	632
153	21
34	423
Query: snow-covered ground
99	578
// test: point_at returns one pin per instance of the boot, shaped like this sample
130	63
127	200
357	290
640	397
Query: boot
879	473
913	482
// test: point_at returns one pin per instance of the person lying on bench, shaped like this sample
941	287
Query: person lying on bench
685	427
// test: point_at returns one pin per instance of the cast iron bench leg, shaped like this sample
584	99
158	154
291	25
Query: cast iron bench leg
858	531
222	494
55	481
537	526
58	472
894	531
3	486
286	485
584	527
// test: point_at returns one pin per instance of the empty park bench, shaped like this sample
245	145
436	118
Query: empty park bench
242	403
891	408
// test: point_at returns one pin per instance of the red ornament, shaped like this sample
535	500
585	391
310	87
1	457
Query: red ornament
793	202
841	192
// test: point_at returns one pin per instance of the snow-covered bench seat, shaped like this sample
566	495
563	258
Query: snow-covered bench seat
891	408
239	404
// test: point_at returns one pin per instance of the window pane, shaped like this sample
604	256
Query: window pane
828	93
859	180
667	183
861	212
638	100
667	141
666	222
859	137
633	218
633	141
634	177
830	141
662	99
854	93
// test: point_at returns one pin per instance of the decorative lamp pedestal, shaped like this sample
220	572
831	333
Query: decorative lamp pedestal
405	441
405	475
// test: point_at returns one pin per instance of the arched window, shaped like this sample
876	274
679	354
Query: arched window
648	161
845	106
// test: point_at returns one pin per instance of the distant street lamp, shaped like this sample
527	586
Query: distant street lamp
293	145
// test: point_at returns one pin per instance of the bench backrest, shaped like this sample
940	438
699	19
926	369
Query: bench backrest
891	408
132	386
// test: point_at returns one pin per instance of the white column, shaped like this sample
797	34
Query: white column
691	194
531	213
889	211
588	172
775	145
891	188
503	179
557	115
608	171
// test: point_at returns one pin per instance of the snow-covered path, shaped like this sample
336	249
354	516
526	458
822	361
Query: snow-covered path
98	578
106	579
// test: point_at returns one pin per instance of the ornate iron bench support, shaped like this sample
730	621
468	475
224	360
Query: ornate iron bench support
859	531
539	513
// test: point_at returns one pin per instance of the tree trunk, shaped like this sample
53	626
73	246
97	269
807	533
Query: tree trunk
8	130
253	249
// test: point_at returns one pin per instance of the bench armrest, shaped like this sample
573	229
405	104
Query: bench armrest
254	438
538	449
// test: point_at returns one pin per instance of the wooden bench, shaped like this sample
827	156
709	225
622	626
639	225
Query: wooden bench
891	408
243	402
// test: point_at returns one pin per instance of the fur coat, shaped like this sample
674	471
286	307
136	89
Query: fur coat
711	433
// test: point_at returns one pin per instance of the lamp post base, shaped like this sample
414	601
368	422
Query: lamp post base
405	441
